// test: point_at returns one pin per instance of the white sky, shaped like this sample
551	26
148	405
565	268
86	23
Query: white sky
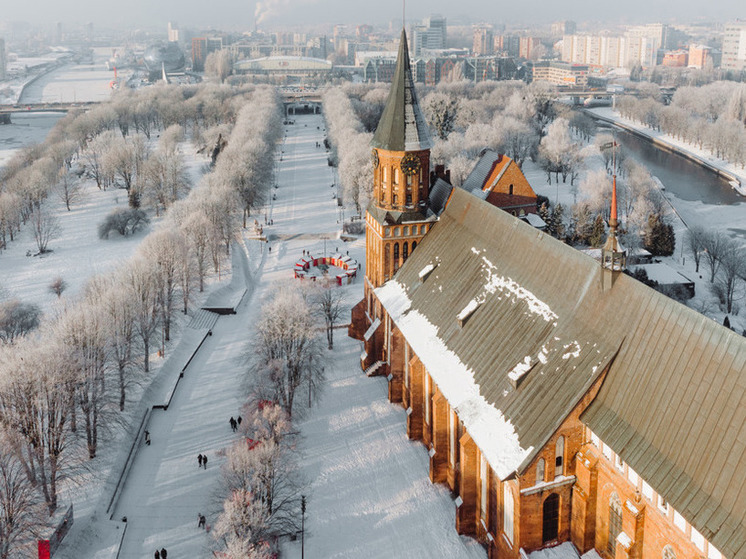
240	13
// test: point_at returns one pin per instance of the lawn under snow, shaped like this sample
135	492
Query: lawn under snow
369	494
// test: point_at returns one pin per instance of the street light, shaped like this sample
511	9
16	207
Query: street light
302	525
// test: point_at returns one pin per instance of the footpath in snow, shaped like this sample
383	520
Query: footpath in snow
369	494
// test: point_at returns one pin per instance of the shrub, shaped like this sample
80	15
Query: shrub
124	221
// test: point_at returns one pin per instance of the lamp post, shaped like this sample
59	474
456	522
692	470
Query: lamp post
302	525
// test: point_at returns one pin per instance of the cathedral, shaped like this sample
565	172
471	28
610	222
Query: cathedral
560	400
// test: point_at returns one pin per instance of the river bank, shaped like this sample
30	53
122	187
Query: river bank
736	177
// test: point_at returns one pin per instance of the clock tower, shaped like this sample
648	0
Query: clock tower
398	215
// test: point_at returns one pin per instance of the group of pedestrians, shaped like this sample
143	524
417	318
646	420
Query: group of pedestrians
235	423
202	461
162	554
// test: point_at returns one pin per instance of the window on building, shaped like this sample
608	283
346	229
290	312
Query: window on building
426	396
595	440
396	256
385	175
668	553
559	457
510	190
508	513
396	176
698	539
712	552
452	433
406	231
409	180
409	198
540	470
405	252
395	199
615	523
662	505
414	245
619	463
632	476
679	521
647	491
484	476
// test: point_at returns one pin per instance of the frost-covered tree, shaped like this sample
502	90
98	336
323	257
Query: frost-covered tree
45	226
139	282
21	516
286	347
17	319
441	111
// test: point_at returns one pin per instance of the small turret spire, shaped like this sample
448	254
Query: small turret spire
613	255
613	222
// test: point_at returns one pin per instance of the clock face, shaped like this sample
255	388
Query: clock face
410	164
375	159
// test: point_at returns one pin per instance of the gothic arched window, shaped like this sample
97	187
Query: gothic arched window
559	457
405	252
540	470
615	522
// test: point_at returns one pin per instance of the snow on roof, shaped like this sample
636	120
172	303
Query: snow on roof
563	551
468	310
496	282
369	332
426	270
534	220
491	431
521	369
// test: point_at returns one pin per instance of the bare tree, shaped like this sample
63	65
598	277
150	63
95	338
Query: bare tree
36	404
17	319
68	188
20	514
83	334
139	281
441	111
694	240
328	302
287	346
219	64
46	227
57	286
714	249
731	272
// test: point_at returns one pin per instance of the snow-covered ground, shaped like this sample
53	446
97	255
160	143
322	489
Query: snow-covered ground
369	494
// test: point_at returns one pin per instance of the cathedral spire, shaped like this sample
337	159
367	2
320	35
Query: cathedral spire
613	255
402	126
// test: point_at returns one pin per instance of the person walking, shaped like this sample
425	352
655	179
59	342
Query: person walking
199	460
233	424
239	420
204	461
164	553
157	554
202	520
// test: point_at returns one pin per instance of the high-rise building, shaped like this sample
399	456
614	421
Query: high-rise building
699	55
611	52
3	60
560	28
734	46
173	32
199	53
527	46
484	41
430	35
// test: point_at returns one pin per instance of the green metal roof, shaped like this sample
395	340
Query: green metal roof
402	126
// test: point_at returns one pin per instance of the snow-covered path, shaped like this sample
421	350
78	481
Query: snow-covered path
368	495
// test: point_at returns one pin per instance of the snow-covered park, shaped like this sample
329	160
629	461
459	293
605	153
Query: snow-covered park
368	491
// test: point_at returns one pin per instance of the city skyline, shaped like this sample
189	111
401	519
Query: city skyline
270	14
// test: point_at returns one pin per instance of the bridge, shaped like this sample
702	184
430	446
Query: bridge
7	110
301	101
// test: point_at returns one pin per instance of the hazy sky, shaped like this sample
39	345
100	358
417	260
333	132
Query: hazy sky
240	13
